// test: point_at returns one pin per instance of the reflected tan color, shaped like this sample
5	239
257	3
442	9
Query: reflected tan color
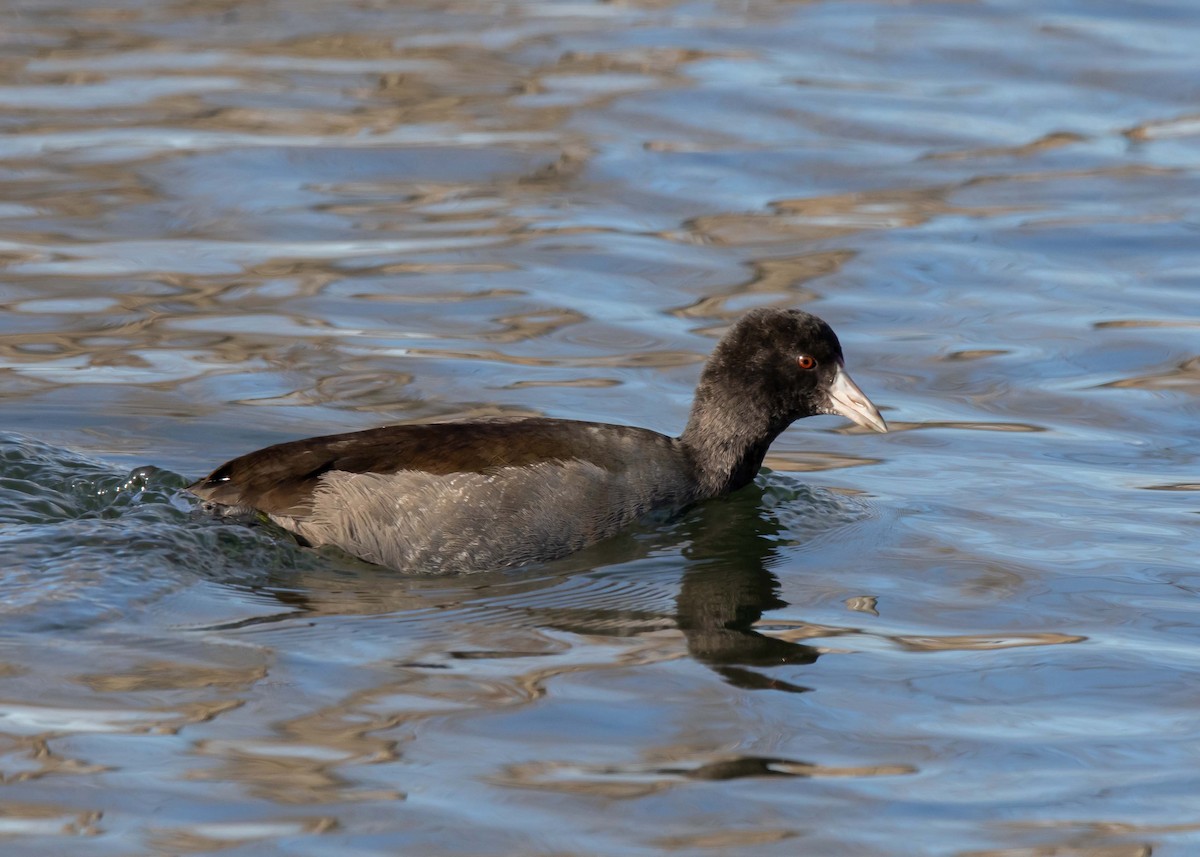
169	675
1185	378
980	642
625	782
206	838
1042	144
29	819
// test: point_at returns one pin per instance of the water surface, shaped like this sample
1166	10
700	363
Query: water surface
226	225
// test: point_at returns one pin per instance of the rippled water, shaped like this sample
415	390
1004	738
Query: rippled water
229	224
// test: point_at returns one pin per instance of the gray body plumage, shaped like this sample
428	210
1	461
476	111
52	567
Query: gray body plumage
507	516
453	497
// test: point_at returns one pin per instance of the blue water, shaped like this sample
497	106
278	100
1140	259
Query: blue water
223	226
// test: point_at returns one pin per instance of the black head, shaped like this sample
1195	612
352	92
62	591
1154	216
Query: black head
785	364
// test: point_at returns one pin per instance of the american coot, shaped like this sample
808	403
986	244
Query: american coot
491	493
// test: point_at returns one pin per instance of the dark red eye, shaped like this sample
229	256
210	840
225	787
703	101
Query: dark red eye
806	362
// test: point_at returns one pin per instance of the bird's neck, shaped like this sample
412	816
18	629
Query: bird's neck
727	440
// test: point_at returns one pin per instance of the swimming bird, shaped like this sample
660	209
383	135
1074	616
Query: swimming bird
503	492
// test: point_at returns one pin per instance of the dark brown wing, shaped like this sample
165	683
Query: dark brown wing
280	479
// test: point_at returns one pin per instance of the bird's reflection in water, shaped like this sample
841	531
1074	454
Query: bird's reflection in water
727	585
